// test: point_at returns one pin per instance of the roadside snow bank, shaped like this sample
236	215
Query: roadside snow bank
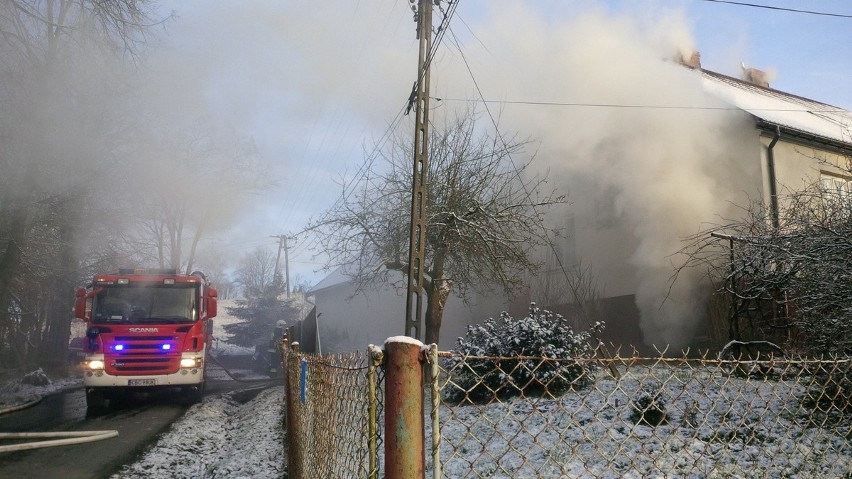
219	438
33	387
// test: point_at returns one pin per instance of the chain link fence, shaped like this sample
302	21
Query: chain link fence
332	405
616	417
645	417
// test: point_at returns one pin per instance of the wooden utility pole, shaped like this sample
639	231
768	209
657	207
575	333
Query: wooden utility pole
282	243
417	237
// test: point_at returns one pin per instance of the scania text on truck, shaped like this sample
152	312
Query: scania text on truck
145	329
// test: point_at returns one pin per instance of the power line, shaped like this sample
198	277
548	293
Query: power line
633	106
783	9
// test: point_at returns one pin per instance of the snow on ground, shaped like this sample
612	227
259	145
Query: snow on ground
219	438
716	427
579	435
32	387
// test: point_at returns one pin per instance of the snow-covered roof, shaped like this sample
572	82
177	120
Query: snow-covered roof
790	112
336	277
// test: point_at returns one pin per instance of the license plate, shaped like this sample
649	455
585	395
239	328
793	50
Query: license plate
141	382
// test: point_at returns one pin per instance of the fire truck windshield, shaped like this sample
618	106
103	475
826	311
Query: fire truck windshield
145	304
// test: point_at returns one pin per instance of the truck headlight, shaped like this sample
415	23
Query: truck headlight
194	362
94	364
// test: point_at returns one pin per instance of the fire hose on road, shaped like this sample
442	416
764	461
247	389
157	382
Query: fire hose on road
67	438
75	437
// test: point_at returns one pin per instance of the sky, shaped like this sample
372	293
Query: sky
317	85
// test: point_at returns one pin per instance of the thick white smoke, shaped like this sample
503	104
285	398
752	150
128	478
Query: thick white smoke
641	171
644	153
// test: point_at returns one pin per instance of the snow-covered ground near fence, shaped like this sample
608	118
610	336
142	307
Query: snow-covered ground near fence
219	438
716	427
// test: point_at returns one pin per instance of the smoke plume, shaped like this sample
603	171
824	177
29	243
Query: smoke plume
645	155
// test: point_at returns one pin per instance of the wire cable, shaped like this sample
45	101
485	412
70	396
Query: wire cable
783	9
634	106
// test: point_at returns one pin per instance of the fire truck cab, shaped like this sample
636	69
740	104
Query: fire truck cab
145	329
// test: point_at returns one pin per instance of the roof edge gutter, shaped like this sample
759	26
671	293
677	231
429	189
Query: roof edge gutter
805	139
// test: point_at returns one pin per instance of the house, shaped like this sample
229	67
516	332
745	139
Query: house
348	319
651	179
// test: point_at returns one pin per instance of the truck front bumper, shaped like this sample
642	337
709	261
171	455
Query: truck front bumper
95	376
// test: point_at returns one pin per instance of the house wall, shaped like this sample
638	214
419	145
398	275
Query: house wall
350	322
798	165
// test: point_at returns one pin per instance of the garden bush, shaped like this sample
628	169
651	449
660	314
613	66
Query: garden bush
532	356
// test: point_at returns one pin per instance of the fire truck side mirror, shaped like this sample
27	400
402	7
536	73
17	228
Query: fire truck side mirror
212	305
80	303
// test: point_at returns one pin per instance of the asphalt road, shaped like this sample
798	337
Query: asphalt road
138	420
138	423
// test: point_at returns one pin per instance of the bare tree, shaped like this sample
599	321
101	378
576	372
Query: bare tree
187	189
484	217
52	136
570	290
789	282
256	273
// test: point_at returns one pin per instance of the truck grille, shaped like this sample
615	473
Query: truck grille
144	365
141	355
144	338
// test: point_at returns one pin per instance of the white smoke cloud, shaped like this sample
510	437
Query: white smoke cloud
334	75
651	171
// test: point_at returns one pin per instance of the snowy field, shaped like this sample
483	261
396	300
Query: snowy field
19	392
716	426
219	438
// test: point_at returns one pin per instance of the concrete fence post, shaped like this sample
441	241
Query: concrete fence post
404	428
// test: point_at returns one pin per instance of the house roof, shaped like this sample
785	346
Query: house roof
823	122
334	278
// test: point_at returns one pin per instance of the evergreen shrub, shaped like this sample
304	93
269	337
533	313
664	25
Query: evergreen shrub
537	355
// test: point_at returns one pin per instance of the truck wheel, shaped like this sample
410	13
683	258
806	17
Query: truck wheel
95	400
194	394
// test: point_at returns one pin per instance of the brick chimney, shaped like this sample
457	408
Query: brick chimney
755	76
691	59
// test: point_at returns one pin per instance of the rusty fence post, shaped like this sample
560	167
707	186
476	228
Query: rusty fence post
293	433
404	428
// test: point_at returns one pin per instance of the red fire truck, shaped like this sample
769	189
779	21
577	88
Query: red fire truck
145	329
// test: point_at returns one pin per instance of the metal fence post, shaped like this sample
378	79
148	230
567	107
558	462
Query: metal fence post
294	436
404	428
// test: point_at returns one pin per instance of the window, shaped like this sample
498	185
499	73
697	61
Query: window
146	304
836	190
